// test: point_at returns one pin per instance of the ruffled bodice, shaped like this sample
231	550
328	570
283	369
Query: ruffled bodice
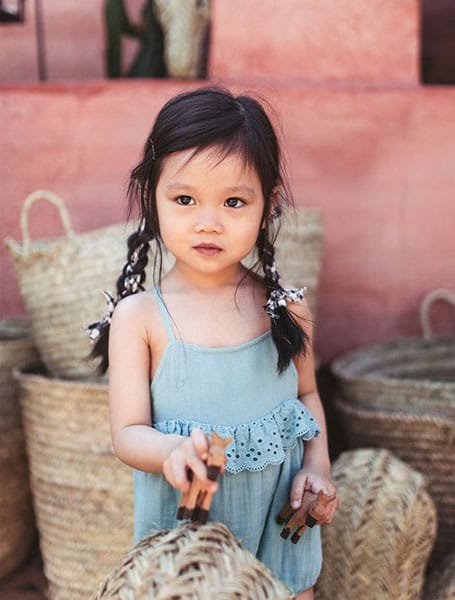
235	391
258	443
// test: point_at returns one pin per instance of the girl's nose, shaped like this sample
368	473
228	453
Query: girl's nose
208	222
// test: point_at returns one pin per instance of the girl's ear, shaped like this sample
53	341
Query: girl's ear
274	206
275	199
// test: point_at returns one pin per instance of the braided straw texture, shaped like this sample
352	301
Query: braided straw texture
298	252
440	583
82	494
18	532
191	562
62	281
379	542
401	395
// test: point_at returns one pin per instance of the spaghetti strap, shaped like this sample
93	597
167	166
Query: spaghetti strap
164	313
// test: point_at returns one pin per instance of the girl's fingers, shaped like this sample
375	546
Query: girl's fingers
297	489
197	466
200	443
190	454
176	473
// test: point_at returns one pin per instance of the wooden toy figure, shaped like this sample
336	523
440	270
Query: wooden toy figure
195	503
312	510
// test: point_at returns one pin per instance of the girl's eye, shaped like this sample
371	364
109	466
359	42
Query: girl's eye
234	203
185	200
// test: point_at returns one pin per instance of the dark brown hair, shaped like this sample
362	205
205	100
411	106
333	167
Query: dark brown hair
210	117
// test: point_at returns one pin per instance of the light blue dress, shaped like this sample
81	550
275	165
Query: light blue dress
236	391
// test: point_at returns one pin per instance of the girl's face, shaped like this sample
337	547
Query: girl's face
209	214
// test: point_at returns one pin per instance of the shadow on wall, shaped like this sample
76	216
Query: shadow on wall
438	41
12	12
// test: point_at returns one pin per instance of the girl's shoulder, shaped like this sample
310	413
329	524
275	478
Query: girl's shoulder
138	311
133	306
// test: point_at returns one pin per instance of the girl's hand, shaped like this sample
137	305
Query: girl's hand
307	480
189	454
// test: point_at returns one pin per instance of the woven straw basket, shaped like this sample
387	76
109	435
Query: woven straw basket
203	562
82	494
378	544
299	251
17	527
401	395
62	281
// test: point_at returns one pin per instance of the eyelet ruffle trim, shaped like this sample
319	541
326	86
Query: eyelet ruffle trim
259	443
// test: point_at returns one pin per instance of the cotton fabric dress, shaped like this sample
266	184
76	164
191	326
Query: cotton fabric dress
237	392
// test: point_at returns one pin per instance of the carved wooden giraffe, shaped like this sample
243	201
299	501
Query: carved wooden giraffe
312	511
195	503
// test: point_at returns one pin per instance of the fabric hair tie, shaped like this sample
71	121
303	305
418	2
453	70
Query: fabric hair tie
131	285
280	297
94	330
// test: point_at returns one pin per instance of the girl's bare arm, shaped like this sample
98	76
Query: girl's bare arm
134	440
316	450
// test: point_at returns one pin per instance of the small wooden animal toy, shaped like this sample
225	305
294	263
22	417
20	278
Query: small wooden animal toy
195	503
311	511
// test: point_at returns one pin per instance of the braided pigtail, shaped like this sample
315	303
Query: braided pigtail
130	282
289	337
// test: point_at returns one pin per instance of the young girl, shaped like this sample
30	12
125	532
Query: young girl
214	346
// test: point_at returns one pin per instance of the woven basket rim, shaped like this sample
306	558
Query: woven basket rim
35	372
395	415
17	245
342	366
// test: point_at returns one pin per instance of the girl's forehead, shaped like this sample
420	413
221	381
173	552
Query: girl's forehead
209	161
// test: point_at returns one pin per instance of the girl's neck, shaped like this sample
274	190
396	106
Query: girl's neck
184	279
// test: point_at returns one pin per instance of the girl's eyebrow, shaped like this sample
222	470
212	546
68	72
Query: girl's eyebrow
229	190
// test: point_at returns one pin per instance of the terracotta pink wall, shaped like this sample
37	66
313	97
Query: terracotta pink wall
376	152
73	42
300	40
379	163
294	40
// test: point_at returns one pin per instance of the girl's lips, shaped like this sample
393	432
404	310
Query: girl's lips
207	249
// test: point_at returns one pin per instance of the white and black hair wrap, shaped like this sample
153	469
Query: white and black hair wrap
130	282
288	335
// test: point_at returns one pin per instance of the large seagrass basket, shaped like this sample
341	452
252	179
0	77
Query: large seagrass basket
299	251
17	524
400	395
62	281
203	562
379	542
82	494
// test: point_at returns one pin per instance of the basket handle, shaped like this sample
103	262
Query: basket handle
425	306
53	199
